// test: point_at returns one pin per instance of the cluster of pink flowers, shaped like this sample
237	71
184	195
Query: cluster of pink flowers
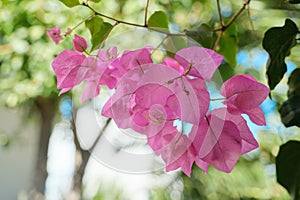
149	97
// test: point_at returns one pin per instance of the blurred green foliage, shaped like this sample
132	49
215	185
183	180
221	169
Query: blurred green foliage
25	73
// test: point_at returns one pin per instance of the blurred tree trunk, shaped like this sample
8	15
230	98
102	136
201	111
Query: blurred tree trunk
46	108
81	159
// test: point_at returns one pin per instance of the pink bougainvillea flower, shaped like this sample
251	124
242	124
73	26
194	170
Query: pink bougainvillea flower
138	102
244	95
148	100
66	66
54	34
199	61
79	43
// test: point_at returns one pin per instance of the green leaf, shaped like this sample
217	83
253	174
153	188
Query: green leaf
158	19
290	109
100	36
99	30
226	71
294	1
172	44
294	83
288	167
228	45
278	42
70	3
95	1
203	35
94	24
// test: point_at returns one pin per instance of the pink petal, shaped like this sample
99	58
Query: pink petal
180	87
249	143
54	34
64	90
108	55
203	62
173	64
79	43
244	92
256	115
135	58
180	153
66	66
158	142
201	164
226	152
91	90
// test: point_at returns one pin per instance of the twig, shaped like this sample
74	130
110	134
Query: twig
218	40
111	18
146	13
100	134
234	17
131	24
219	13
223	27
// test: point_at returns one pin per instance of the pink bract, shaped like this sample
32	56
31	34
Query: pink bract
79	43
244	95
66	66
131	59
174	64
201	62
54	34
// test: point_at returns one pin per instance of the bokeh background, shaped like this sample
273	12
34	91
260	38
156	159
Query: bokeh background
43	156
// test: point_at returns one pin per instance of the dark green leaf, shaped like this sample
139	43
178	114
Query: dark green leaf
288	167
294	83
172	44
228	45
95	1
203	35
158	19
278	42
70	3
294	1
226	71
290	111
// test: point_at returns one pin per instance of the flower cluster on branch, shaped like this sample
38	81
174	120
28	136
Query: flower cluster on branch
150	97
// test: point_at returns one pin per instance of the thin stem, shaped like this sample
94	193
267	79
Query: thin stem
111	18
218	99
146	13
249	15
129	23
234	17
218	40
160	44
100	134
77	25
219	13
